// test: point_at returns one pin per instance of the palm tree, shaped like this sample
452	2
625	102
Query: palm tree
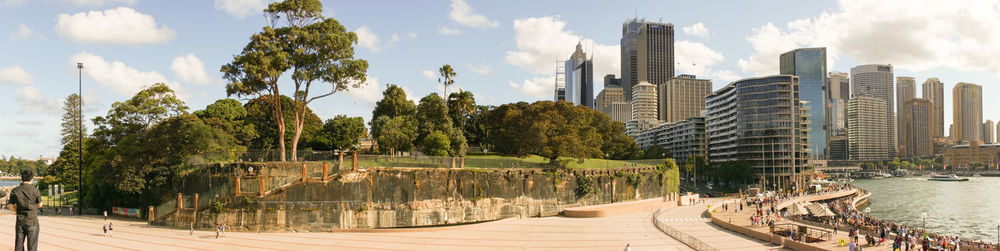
460	105
447	78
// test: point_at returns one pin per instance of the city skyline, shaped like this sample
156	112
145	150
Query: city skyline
185	49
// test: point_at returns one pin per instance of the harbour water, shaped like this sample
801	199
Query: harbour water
970	210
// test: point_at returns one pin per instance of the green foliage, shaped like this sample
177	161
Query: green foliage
447	77
585	185
436	144
461	105
65	170
556	129
398	133
734	174
341	133
14	166
477	127
393	104
655	152
432	115
230	116
634	180
259	116
217	207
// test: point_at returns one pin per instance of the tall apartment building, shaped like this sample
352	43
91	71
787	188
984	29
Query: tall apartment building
644	109
838	91
875	80
611	101
967	102
810	65
647	53
681	139
906	89
580	78
759	120
917	126
866	130
933	90
682	97
988	137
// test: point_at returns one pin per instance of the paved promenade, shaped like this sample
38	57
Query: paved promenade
688	219
552	233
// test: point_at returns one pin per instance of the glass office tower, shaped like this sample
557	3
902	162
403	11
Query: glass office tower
810	65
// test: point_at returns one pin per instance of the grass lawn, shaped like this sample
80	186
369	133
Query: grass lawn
495	161
48	201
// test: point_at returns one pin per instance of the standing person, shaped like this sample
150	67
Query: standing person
627	247
192	229
25	200
105	215
105	229
111	229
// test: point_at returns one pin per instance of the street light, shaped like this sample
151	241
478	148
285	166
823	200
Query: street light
79	163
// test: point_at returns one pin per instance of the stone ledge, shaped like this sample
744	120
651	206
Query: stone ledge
615	209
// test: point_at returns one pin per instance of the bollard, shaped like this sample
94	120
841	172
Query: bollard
340	162
237	186
196	202
324	172
180	201
261	187
151	216
355	158
304	173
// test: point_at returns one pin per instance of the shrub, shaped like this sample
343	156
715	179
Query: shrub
585	185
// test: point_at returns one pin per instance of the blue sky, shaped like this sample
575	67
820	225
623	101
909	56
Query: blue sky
503	51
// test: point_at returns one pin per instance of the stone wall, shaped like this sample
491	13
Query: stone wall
400	197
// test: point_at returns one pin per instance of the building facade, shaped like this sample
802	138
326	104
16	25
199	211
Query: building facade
611	101
972	154
933	90
681	139
810	65
917	128
682	97
647	53
875	80
988	137
580	78
644	109
759	120
866	129
838	91
905	91
967	102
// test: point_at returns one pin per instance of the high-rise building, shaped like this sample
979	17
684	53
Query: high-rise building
759	120
681	139
838	91
610	80
647	53
611	101
580	78
866	129
682	97
643	109
933	90
988	137
906	89
810	65
875	80
967	102
916	127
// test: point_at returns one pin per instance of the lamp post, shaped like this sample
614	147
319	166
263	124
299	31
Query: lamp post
79	163
923	216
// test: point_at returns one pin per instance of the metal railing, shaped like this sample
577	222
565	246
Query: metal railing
165	208
687	239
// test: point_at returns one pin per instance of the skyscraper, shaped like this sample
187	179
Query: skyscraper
933	90
611	101
759	120
580	78
988	137
906	89
967	102
875	80
916	127
610	80
682	97
643	109
810	65
838	91
647	53
866	129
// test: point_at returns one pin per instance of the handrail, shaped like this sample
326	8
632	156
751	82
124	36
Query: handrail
687	239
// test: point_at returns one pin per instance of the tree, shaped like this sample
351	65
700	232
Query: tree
432	115
477	127
436	144
546	128
393	104
343	133
66	169
257	115
398	134
314	48
461	105
229	115
447	77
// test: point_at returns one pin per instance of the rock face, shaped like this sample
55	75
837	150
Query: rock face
403	197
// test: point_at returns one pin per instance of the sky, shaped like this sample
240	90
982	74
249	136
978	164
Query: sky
503	51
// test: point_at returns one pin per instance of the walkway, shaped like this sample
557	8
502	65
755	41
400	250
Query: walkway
689	220
552	233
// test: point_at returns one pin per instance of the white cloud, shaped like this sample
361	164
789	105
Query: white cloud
697	29
725	76
463	14
22	32
117	77
370	92
412	35
32	100
15	75
242	8
697	59
540	87
190	69
542	40
430	74
449	31
120	25
99	3
367	39
480	69
912	35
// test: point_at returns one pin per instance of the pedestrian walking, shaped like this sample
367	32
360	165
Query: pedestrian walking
111	230
105	215
105	229
192	229
25	200
627	247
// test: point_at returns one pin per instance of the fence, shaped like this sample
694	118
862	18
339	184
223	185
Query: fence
681	236
165	208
